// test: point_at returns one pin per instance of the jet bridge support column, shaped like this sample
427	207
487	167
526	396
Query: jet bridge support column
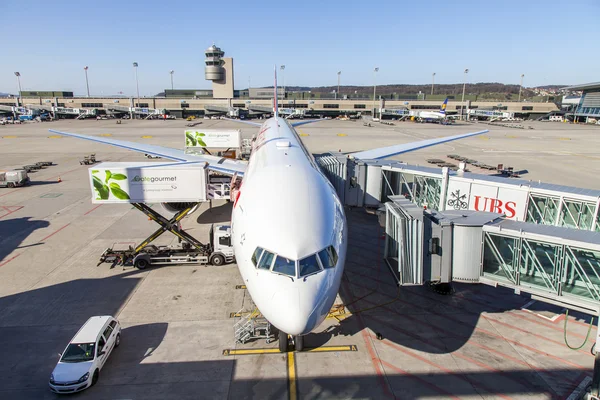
596	376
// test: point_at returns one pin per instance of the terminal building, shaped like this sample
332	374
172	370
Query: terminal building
589	104
256	102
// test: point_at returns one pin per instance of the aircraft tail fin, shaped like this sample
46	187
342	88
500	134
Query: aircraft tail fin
275	99
443	107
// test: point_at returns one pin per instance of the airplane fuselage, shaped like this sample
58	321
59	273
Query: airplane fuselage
289	232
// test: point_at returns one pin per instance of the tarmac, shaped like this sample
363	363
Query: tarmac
407	343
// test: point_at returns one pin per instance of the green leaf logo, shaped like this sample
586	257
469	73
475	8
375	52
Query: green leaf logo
95	171
101	188
189	139
118	177
118	192
108	175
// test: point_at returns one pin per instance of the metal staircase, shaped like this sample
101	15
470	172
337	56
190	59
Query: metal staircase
252	326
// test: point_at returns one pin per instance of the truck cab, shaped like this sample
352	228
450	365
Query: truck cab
220	242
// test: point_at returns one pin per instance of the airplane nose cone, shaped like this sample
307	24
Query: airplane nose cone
295	316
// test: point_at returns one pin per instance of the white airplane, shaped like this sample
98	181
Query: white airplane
434	115
288	226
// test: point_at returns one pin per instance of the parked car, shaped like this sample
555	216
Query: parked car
85	355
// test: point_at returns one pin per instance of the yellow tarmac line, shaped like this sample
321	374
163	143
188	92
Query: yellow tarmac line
341	134
326	349
55	137
322	349
292	381
240	286
484	137
304	134
9	137
564	138
245	352
146	137
106	134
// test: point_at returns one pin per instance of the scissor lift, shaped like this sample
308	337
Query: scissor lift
190	251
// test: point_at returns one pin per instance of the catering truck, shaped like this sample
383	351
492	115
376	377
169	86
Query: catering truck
179	189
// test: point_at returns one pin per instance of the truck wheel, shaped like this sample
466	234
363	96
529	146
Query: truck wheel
11	185
141	263
217	260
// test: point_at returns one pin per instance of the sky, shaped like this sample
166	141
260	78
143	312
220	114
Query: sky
50	42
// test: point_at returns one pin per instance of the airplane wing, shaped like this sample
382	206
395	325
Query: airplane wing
217	164
304	122
243	121
389	151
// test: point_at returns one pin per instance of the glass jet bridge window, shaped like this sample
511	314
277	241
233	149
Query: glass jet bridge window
284	266
308	265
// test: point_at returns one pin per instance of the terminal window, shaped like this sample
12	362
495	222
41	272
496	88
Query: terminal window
185	105
527	108
360	106
91	105
141	105
331	106
239	105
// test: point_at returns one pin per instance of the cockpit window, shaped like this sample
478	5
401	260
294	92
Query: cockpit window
284	266
256	255
266	260
328	257
308	265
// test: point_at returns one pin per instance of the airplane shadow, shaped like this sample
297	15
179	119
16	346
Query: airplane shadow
14	231
220	212
412	317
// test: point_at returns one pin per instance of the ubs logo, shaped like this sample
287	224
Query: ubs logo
496	205
457	200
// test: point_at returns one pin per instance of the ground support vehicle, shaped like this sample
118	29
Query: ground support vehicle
217	252
14	178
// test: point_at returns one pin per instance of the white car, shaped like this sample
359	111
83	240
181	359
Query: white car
83	358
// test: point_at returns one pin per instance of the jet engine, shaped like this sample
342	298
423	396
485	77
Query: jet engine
174	208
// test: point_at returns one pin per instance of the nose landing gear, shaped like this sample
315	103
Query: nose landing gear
286	340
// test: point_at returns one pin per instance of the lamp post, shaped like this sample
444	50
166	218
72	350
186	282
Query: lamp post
283	79
463	94
338	91
520	87
18	75
171	72
374	88
135	66
87	85
432	82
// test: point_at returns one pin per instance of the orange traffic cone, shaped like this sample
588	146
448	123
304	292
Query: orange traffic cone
59	180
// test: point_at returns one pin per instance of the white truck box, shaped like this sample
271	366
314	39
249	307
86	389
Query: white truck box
139	182
213	138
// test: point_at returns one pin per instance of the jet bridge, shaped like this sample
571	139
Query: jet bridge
558	265
552	264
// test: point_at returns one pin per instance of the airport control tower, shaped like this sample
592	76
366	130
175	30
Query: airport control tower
219	70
